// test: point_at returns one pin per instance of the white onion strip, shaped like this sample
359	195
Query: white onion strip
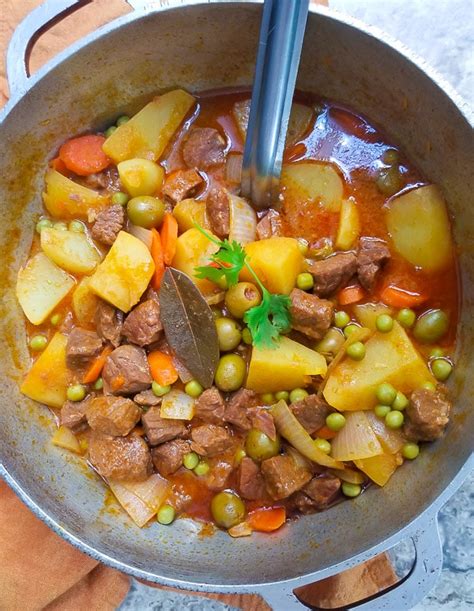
243	220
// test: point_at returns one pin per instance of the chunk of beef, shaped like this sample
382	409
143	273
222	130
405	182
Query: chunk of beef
168	457
309	314
143	325
269	225
218	212
182	184
219	474
184	374
262	420
126	371
283	476
250	483
204	148
147	398
373	255
332	273
210	406
210	439
236	409
125	458
108	224
109	322
427	415
115	416
108	180
82	347
73	414
310	412
320	492
158	429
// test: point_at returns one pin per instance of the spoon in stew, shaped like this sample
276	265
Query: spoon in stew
279	50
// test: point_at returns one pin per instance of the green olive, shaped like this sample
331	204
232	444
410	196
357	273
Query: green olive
230	372
431	326
331	342
390	156
259	446
389	180
146	211
228	334
227	509
241	297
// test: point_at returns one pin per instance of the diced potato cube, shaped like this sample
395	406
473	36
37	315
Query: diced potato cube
65	438
419	225
140	176
287	366
366	313
71	250
379	468
389	357
193	250
124	274
84	302
47	380
190	211
147	133
314	182
40	287
276	261
64	198
349	225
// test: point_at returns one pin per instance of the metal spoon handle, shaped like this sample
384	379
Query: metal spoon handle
279	50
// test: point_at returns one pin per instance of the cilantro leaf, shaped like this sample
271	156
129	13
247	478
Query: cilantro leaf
267	320
228	261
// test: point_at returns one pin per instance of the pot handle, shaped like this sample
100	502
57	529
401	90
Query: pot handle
405	594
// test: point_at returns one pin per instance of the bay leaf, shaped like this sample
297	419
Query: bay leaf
189	325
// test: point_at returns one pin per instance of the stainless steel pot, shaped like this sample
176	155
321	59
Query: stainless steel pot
204	45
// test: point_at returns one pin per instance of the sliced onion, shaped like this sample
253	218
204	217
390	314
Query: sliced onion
348	475
356	440
233	168
141	500
240	530
289	428
391	439
65	438
243	220
214	298
141	233
379	468
177	405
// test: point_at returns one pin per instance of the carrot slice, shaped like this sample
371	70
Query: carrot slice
325	433
157	255
267	520
169	237
95	369
350	294
400	298
58	164
162	368
84	155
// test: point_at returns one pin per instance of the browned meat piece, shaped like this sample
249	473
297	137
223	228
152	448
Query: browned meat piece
262	420
210	406
283	476
427	415
218	212
184	374
309	314
210	439
269	225
126	371
147	398
204	148
109	322
318	494
250	481
332	273
143	325
107	180
311	412
218	475
108	224
114	416
182	184
125	458
73	414
236	408
158	429
168	457
373	255
82	347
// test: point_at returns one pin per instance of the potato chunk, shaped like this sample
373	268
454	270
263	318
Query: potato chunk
314	182
47	380
349	225
84	302
70	250
190	211
40	286
124	274
64	198
193	249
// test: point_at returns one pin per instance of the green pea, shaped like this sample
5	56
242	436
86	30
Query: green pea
159	390
441	369
400	402
60	226
228	333
166	514
431	326
38	343
146	211
239	455
386	393
122	120
77	227
335	421
42	224
381	410
341	319
98	384
356	351
436	353
55	319
429	386
247	336
303	246
259	446
242	297
110	130
390	156
394	419
410	451
120	198
406	318
202	468
350	490
190	460
389	180
384	323
304	281
230	372
297	394
350	329
76	392
268	398
193	389
227	509
323	445
282	395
